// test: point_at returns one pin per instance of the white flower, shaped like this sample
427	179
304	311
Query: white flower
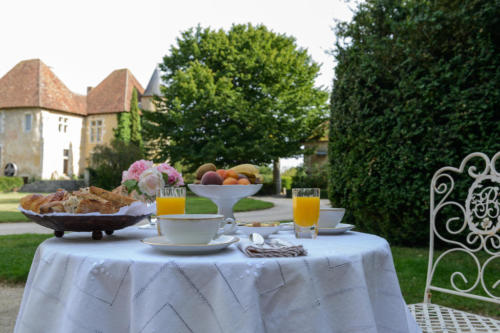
150	182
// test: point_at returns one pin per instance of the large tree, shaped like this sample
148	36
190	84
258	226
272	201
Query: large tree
242	96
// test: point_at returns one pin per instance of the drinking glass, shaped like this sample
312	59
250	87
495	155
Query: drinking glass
305	212
171	200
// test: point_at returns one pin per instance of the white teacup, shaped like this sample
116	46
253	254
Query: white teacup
193	228
330	217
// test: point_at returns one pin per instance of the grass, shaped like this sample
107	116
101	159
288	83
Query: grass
17	253
194	205
8	207
411	268
198	205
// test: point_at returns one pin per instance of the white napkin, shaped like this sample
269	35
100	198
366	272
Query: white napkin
272	248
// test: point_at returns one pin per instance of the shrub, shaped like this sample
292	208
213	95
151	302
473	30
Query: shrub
108	162
10	183
417	87
286	182
309	178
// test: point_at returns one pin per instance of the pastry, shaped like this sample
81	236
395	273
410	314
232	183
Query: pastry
85	200
115	198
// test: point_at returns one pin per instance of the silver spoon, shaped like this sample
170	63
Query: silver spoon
256	238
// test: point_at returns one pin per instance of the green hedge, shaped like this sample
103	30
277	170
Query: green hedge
417	87
10	183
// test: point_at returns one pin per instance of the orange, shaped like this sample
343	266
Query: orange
232	174
230	181
222	173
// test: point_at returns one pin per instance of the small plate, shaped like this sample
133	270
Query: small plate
339	229
160	243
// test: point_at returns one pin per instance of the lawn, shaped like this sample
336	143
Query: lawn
8	207
17	252
194	205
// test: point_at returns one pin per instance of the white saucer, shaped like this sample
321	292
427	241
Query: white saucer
160	243
339	229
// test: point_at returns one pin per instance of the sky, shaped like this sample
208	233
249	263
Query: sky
84	41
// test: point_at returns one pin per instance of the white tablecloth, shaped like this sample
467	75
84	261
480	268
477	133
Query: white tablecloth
347	283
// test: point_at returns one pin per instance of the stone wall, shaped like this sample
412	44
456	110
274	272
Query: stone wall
45	186
109	122
19	145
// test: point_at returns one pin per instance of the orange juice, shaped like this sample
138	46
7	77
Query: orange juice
305	211
170	205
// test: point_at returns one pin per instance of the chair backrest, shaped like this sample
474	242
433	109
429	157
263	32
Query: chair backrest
475	230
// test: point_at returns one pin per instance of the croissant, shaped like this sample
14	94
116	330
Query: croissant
31	202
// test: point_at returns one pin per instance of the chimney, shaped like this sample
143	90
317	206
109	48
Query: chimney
89	89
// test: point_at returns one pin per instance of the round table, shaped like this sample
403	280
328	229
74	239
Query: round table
346	283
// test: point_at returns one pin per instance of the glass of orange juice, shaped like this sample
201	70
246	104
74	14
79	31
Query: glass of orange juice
305	212
171	200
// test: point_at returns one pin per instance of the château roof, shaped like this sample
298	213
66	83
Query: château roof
31	83
113	94
153	88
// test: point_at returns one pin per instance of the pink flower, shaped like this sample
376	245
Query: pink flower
174	177
150	182
136	169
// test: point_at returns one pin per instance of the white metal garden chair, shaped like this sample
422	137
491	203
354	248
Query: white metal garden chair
480	224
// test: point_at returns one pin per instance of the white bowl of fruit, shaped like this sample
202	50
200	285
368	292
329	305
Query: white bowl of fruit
226	187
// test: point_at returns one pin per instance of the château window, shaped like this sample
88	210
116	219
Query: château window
28	118
1	122
63	124
96	130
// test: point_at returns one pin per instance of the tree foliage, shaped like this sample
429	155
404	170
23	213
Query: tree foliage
135	120
417	87
242	96
122	131
108	162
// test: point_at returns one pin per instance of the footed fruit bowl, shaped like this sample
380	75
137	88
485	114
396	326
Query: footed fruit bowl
225	196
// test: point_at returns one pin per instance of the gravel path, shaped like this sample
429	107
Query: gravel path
11	295
10	299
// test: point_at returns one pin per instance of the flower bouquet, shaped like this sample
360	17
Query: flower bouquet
143	180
